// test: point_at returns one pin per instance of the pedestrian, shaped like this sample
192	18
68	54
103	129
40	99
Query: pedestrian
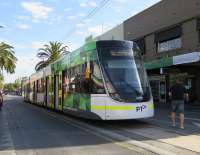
178	94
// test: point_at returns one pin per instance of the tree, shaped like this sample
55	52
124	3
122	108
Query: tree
7	58
1	81
50	53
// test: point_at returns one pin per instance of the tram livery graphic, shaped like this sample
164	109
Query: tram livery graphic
101	80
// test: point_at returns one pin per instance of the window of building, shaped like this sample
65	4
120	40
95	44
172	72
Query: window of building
169	45
169	39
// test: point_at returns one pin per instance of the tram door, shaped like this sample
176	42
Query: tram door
58	91
34	93
56	81
46	91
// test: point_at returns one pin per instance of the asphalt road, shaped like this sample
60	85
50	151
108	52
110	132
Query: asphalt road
31	130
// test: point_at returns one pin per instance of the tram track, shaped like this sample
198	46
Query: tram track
121	136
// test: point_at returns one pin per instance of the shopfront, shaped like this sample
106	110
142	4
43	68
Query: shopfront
164	72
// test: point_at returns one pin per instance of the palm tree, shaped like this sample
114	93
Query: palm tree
50	53
1	82
7	58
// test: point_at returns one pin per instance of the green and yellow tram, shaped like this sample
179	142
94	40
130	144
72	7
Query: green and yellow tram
101	80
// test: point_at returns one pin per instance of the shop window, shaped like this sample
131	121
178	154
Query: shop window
169	39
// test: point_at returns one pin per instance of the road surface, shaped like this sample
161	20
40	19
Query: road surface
31	130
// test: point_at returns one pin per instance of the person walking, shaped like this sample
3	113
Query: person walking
178	94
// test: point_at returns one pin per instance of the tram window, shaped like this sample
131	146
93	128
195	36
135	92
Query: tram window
96	79
40	86
66	81
37	86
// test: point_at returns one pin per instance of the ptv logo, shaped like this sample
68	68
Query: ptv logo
140	108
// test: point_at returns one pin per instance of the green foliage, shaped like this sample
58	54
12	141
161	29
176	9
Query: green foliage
50	52
7	58
11	86
1	81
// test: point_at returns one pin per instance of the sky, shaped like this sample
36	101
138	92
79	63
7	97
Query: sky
29	24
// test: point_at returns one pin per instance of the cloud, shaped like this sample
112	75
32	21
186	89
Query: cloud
118	10
67	9
21	46
23	26
37	9
83	5
21	17
121	1
5	41
82	14
87	20
24	67
96	30
37	45
80	33
99	29
80	25
89	4
72	46
71	17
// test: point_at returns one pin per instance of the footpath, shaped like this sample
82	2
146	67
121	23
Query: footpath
188	138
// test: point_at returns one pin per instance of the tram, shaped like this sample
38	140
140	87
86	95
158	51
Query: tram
101	80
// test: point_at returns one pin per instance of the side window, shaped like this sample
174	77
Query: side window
96	78
76	79
66	81
72	80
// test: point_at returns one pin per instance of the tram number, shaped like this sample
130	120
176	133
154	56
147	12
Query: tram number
141	108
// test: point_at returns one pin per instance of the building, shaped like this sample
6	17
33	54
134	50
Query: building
168	35
117	33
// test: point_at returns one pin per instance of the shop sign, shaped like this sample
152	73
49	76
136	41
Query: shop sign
164	62
186	58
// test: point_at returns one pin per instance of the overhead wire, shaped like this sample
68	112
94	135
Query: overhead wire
91	14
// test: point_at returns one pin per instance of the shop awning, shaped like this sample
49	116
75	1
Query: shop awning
175	60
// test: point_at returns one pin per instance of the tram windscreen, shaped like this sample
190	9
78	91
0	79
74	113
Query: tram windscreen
124	74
